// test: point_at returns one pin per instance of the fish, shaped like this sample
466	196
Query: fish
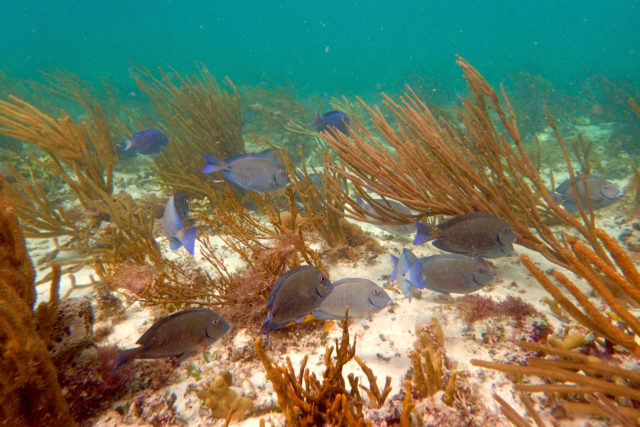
148	141
179	334
401	266
251	171
174	229
451	273
295	295
362	296
473	234
181	204
330	122
391	205
601	193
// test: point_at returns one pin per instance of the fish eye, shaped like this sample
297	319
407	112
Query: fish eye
323	278
376	292
506	230
216	322
282	172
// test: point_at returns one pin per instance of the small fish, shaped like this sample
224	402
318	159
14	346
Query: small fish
178	334
393	206
473	234
148	141
295	295
174	229
362	296
331	121
601	192
401	267
457	274
252	171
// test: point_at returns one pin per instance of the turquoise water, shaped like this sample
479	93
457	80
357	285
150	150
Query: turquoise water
327	47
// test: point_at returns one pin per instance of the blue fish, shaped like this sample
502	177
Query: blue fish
174	229
401	267
252	171
295	295
472	234
451	273
332	119
148	141
600	191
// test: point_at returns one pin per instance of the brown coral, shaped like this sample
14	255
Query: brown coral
29	393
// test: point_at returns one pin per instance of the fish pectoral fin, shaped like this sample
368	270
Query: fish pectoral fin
469	281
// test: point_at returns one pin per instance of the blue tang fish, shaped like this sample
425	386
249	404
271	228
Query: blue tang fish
174	229
148	141
177	334
600	191
472	234
391	205
400	268
295	295
362	296
252	171
451	273
332	119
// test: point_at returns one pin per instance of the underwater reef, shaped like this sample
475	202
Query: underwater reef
352	189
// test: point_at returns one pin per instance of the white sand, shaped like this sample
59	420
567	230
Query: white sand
384	343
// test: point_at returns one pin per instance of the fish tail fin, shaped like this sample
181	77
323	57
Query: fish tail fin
423	233
127	356
128	144
413	275
394	274
316	119
213	164
188	239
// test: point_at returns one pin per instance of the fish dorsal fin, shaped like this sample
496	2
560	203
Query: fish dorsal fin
281	281
465	217
159	323
232	159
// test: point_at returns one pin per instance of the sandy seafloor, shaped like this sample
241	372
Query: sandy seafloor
384	343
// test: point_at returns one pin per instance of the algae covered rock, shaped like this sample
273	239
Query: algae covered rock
219	398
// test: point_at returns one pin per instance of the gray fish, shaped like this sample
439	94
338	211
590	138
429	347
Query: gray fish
457	274
601	192
473	234
178	334
393	206
400	268
362	296
296	294
252	171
